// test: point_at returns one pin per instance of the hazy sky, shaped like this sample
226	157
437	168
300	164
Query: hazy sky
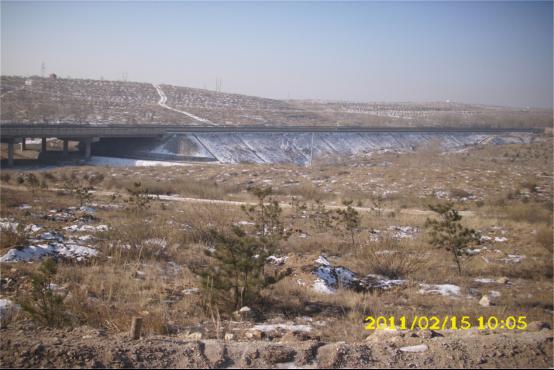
477	52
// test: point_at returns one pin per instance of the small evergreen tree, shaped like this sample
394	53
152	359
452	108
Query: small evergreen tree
139	198
321	216
43	304
350	219
267	215
447	232
236	277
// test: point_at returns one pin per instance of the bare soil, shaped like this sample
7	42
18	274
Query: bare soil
25	346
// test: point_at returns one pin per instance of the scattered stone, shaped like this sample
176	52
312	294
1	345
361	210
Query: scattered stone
485	301
245	313
229	337
387	334
332	355
502	280
195	336
427	334
254	334
278	354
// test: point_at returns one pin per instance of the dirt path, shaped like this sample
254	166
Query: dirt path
162	103
85	347
177	198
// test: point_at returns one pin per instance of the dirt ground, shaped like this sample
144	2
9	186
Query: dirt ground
24	346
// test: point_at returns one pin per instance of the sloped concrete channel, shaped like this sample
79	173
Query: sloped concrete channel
292	147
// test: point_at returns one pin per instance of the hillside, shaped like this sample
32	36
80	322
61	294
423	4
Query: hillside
63	100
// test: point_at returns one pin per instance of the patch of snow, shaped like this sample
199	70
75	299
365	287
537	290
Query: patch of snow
484	280
37	252
6	224
277	260
286	327
125	162
322	261
513	258
442	289
415	349
320	286
373	281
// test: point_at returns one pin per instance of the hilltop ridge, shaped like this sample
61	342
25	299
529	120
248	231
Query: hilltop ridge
63	100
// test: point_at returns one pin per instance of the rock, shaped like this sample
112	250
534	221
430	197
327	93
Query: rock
427	334
245	313
415	349
254	334
291	337
502	280
312	308
195	336
229	337
277	354
537	326
386	335
485	301
215	353
332	355
37	348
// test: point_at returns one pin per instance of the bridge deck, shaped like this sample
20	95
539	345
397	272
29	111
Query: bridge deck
77	131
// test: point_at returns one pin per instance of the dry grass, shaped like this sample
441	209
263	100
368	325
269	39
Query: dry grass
134	274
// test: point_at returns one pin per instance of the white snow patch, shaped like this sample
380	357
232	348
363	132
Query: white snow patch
36	252
415	349
442	289
125	162
320	286
286	327
277	260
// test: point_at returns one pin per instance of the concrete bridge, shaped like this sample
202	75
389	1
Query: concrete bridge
86	134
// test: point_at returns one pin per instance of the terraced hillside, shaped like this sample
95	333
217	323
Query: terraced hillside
63	100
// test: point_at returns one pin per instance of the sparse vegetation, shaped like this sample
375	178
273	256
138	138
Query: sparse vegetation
350	220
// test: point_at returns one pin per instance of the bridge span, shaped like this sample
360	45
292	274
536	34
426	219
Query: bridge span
86	134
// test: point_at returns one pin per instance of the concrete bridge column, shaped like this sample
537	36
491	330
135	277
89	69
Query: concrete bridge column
43	147
23	144
10	152
65	147
88	143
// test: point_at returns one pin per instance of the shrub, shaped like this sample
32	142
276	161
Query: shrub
531	213
545	237
139	199
388	258
13	238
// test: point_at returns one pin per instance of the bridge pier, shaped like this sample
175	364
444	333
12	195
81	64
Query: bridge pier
10	152
88	144
23	144
65	147
43	146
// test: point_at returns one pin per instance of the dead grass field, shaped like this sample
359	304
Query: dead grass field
146	259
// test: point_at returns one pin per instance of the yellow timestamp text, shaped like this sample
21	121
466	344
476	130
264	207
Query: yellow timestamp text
444	322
